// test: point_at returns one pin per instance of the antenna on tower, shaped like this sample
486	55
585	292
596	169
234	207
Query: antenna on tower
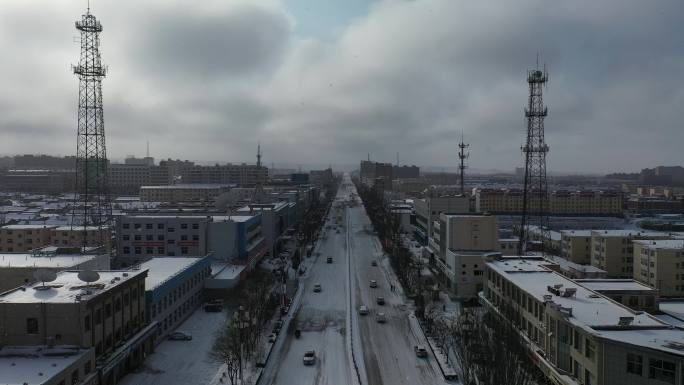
397	158
258	188
148	148
462	155
535	191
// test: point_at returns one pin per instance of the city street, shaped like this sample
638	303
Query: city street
383	351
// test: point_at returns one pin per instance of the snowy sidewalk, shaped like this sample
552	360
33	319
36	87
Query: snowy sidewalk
445	367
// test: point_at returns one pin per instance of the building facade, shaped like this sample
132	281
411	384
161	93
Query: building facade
612	250
561	202
659	264
576	246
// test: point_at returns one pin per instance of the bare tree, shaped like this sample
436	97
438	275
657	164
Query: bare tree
227	350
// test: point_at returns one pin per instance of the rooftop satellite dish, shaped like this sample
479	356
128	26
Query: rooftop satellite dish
44	276
88	276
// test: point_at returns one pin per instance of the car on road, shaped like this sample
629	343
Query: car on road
373	283
309	357
380	300
381	318
329	260
272	337
180	336
420	351
363	310
317	288
374	263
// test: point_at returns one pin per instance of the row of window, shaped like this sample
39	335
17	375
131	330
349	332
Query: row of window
160	226
185	250
660	370
160	237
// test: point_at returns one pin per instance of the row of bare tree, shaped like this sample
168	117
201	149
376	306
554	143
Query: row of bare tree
238	341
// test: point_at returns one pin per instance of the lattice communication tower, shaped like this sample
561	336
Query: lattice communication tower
535	192
92	207
462	155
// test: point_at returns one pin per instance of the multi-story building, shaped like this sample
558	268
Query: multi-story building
275	219
236	238
173	290
406	172
240	174
18	269
574	270
45	181
578	336
576	246
660	265
128	178
612	250
103	310
428	210
183	192
463	241
23	238
49	365
509	246
67	236
561	202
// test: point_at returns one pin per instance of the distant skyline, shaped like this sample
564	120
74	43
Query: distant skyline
320	82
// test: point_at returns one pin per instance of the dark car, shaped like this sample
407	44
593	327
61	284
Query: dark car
330	260
380	300
180	336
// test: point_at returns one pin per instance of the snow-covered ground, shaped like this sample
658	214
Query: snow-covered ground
182	362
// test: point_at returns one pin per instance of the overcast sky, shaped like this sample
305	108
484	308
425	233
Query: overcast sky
328	81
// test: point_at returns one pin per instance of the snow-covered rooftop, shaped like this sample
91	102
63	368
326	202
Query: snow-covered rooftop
589	309
36	364
628	233
27	227
566	264
662	244
576	233
28	260
68	288
226	270
160	270
614	285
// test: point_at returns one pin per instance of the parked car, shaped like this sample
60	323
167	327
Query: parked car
309	357
330	260
420	351
381	318
380	300
317	288
363	310
180	336
272	337
373	283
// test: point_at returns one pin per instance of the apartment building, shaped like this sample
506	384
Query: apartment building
576	246
106	313
236	238
173	290
660	264
561	202
23	238
463	241
183	192
67	236
612	250
628	292
577	335
428	210
240	174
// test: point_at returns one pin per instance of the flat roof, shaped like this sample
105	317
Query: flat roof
28	260
662	243
568	264
672	308
589	309
27	227
628	233
614	285
36	364
68	288
233	218
160	270
226	270
188	186
576	233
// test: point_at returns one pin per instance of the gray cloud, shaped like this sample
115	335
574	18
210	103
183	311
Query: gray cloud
209	81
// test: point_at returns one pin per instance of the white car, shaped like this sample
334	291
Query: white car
309	357
373	283
363	310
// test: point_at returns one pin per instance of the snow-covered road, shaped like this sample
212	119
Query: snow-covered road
384	352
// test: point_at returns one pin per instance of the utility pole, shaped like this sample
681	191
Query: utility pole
535	192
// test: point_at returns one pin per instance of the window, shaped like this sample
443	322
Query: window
184	237
149	237
126	237
588	378
136	226
589	349
86	323
126	250
170	241
74	377
32	326
98	316
126	226
108	310
195	237
635	364
138	237
160	250
117	304
148	226
661	370
184	250
138	249
149	250
160	226
184	226
86	368
160	237
195	226
170	229
126	299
